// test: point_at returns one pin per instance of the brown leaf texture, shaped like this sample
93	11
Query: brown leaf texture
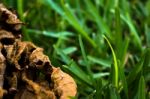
64	85
25	71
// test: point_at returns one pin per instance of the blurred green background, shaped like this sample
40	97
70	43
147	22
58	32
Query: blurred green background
103	44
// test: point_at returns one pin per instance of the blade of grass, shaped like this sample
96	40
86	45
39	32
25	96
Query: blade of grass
98	87
139	67
116	3
100	61
70	17
55	6
99	75
123	80
63	35
141	89
97	18
113	93
69	50
147	57
20	9
78	6
146	65
133	74
147	35
121	45
115	65
118	29
124	5
136	39
127	19
84	55
123	51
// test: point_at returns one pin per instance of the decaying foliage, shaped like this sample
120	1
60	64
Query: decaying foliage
61	81
25	72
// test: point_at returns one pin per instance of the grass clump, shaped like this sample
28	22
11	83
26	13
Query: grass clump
112	67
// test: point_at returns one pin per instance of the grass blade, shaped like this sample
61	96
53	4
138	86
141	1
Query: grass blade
70	17
100	61
66	12
123	80
98	19
113	93
123	51
118	29
84	55
144	62
133	74
55	6
98	87
115	66
69	50
147	34
141	89
63	35
134	33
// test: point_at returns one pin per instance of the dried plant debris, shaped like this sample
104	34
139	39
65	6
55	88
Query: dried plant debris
64	85
25	72
9	18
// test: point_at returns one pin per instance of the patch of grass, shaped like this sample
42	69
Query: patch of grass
71	32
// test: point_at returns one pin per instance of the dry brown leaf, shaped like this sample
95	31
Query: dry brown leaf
8	16
64	85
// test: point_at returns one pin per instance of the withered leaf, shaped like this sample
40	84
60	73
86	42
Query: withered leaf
6	37
8	16
38	59
64	85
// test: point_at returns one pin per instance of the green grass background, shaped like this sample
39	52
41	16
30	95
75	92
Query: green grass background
102	44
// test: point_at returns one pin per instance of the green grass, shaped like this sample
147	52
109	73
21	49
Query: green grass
114	66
